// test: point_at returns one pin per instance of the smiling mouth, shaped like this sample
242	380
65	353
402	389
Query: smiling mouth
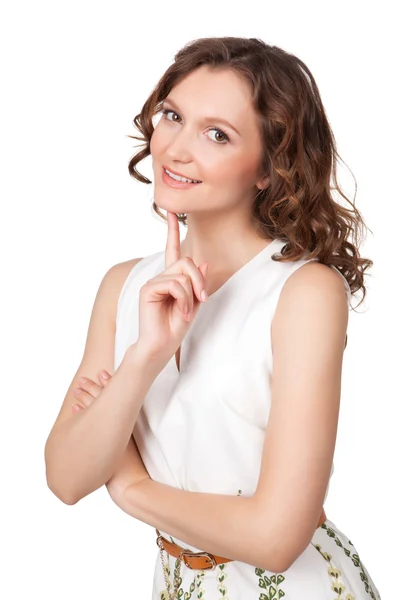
180	178
176	183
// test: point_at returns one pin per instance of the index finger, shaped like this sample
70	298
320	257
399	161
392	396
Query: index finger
172	253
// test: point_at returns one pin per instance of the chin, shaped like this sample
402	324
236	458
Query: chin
168	203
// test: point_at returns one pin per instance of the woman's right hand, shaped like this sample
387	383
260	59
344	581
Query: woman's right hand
163	320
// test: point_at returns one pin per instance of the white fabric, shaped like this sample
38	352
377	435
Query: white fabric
202	429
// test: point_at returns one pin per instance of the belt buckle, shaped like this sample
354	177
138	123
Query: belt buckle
159	541
206	554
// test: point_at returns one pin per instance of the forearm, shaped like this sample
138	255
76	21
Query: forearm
224	525
82	454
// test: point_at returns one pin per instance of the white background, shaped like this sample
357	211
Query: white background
73	76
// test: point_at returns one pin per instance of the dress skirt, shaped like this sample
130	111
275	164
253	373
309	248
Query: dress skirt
330	568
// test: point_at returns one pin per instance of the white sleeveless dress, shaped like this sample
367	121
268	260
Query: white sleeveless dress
222	393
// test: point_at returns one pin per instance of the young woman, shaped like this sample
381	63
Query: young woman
217	421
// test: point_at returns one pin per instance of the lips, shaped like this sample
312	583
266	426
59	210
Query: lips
180	174
177	183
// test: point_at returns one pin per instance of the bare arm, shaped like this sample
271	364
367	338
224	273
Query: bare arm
83	451
307	333
283	513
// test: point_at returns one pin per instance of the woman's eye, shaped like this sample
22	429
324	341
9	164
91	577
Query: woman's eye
167	112
219	132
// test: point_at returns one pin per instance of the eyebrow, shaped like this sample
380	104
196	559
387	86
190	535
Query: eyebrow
215	119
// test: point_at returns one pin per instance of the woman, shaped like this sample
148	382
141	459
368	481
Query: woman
224	443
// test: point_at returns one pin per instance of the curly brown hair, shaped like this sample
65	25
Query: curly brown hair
300	154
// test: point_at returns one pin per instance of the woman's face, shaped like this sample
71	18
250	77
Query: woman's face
210	133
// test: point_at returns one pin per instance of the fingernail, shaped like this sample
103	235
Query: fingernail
104	374
75	407
204	296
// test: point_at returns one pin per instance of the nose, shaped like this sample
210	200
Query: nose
180	147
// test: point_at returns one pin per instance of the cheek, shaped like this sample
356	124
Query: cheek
160	140
233	171
154	143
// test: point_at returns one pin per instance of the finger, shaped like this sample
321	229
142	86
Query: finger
203	268
187	266
182	297
84	397
172	253
90	386
104	377
185	281
158	289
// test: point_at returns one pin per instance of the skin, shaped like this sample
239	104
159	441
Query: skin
311	313
220	228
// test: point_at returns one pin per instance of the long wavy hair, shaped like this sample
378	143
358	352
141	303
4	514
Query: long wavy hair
300	154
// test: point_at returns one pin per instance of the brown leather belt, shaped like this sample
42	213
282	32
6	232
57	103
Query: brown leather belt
202	560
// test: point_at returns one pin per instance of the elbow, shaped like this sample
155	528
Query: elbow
58	484
66	496
275	563
280	565
275	554
70	500
280	552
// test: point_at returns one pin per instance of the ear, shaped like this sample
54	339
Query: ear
263	182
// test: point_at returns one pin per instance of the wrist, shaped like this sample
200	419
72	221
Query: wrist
136	492
139	359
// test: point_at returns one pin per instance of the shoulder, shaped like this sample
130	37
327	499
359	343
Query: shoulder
315	278
314	295
114	280
119	272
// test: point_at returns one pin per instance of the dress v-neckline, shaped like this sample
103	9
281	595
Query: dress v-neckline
175	358
226	284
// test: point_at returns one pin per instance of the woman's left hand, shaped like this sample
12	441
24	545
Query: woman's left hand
88	390
131	469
